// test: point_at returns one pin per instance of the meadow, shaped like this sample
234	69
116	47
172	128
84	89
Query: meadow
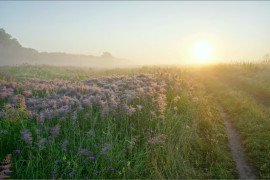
159	122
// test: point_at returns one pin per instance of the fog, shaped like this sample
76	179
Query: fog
134	33
13	53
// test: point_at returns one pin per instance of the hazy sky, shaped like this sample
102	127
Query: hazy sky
145	31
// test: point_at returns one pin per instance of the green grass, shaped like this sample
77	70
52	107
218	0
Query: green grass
252	121
196	144
46	72
198	152
258	88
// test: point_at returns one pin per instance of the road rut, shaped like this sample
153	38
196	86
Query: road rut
244	168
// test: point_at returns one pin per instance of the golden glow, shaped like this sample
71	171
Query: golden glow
202	51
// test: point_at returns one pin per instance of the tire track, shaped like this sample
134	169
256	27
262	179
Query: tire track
244	168
263	100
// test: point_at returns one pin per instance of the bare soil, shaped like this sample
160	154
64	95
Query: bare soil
244	168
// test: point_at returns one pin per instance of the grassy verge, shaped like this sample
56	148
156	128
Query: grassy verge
197	141
252	86
251	120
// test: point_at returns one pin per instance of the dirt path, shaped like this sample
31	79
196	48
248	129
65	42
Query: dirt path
245	170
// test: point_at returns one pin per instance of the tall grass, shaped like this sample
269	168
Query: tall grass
252	121
187	140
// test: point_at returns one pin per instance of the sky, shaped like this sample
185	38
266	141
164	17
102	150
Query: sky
151	32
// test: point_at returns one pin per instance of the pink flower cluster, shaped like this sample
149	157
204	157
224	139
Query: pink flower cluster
48	99
160	139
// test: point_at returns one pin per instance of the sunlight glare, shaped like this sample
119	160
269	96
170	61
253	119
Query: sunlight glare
202	51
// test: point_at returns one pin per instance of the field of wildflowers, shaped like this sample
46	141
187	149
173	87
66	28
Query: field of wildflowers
151	122
77	125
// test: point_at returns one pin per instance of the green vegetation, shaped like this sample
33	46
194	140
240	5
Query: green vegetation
176	132
244	93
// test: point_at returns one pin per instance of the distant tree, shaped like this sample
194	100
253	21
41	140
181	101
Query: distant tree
7	41
4	35
266	58
12	52
107	55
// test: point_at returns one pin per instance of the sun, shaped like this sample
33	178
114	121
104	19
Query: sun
202	51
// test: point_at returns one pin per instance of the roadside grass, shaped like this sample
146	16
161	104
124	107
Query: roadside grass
251	86
197	142
250	118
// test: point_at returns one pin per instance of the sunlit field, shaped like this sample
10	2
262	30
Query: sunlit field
134	90
150	122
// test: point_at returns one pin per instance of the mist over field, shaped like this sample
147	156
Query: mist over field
136	33
13	53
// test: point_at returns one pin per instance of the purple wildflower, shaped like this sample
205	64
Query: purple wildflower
55	130
83	152
84	161
65	143
26	136
90	133
6	171
91	157
18	151
65	150
41	143
112	169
